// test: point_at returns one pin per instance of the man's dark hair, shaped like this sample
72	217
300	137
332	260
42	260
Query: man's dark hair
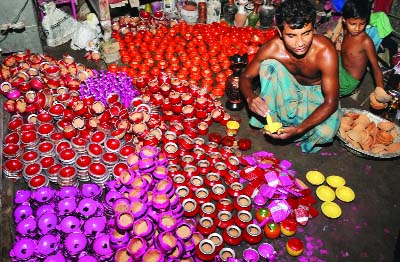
356	9
295	13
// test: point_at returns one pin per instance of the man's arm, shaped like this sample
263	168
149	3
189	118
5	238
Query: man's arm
373	60
255	103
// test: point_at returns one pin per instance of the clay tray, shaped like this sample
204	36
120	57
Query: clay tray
360	152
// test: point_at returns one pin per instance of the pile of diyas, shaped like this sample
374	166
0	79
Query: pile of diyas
137	172
369	134
196	53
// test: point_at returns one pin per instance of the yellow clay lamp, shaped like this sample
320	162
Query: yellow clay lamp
271	126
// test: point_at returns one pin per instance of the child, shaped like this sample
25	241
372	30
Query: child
357	48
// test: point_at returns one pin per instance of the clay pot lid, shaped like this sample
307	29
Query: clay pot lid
56	109
52	70
62	145
11	149
110	157
45	147
28	127
79	141
15	124
67	171
28	137
37	181
98	169
54	168
44	117
32	169
13	165
12	138
83	161
95	149
119	168
126	150
67	154
56	136
98	137
113	144
30	156
47	161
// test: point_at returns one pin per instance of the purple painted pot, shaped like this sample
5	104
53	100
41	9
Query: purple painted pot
87	207
47	245
21	212
74	243
55	258
69	225
23	249
27	227
94	226
47	222
22	196
136	247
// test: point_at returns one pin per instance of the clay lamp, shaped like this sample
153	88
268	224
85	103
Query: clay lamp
243	218
226	253
288	227
98	137
206	226
208	210
6	88
56	110
202	196
212	179
38	181
190	207
184	230
113	68
233	163
137	246
218	241
232	235
205	250
44	117
224	219
242	202
69	132
183	191
112	145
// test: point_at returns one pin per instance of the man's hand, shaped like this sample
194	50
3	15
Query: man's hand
285	133
257	105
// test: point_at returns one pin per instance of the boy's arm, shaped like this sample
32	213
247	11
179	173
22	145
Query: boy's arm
373	61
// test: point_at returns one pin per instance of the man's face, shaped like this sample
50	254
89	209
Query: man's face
355	26
297	41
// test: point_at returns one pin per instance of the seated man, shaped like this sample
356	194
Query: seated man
299	79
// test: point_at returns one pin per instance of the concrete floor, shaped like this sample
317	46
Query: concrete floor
366	231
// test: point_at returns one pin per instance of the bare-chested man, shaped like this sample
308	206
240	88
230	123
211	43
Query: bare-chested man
299	79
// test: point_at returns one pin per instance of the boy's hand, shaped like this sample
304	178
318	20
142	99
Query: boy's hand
381	95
